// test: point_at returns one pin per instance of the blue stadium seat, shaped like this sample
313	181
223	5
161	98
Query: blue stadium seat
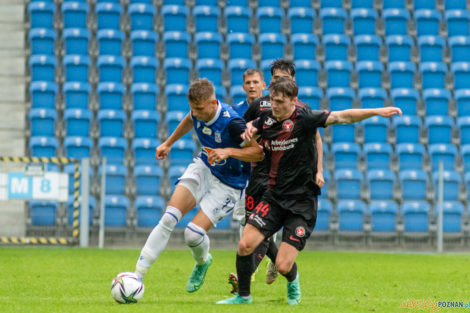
42	121
445	153
363	21
455	5
110	42
76	95
237	67
439	129
311	95
433	74
378	155
176	97
145	123
174	17
331	4
42	41
383	216
336	47
306	73
298	3
462	99
74	14
463	124
174	173
346	155
460	48
144	96
41	14
206	2
148	210
43	213
415	216
461	72
143	150
458	22
116	207
220	92
304	46
339	73
326	176
375	129
270	19
206	18
348	184
340	98
141	16
399	48
187	218
113	149
351	215
424	4
451	181
144	69
343	133
324	212
70	209
110	68
394	4
238	94
76	40
110	96
77	147
108	15
76	68
147	179
427	22
301	20
77	122
111	123
43	94
238	19
210	69
208	45
410	156
372	97
369	74
431	48
356	4
240	45
396	21
407	128
266	68
272	45
182	152
42	67
406	99
413	184
69	169
143	42
367	47
177	70
333	20
381	183
401	74
436	101
43	146
467	174
452	213
176	44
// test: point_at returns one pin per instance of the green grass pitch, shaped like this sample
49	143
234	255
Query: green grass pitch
78	280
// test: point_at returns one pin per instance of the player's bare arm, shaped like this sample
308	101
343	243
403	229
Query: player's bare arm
357	115
319	179
251	152
184	126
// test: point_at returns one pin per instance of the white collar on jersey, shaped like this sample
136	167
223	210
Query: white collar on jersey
216	116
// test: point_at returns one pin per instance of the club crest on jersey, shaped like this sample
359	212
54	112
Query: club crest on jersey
300	231
207	131
206	151
269	121
217	137
288	125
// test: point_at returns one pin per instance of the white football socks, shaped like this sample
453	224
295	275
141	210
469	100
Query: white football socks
157	240
197	239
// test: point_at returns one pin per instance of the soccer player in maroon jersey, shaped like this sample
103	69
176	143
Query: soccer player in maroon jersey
290	201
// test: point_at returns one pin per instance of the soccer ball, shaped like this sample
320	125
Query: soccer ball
127	288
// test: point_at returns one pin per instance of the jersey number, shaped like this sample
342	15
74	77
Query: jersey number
263	208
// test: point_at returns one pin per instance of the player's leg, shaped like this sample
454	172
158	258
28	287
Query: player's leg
286	265
271	252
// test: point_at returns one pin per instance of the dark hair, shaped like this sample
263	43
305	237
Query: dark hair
253	71
200	90
283	65
284	86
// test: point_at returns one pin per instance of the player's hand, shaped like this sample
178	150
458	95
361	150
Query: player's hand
217	155
319	179
249	131
162	151
389	111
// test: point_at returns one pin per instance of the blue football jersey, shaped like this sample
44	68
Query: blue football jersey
215	134
241	107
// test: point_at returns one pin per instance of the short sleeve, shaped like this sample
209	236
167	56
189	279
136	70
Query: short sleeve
316	118
236	127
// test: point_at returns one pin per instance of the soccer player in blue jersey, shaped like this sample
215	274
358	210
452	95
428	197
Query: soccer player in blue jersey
214	181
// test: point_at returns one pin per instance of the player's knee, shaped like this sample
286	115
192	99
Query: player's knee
245	247
193	235
170	218
283	266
